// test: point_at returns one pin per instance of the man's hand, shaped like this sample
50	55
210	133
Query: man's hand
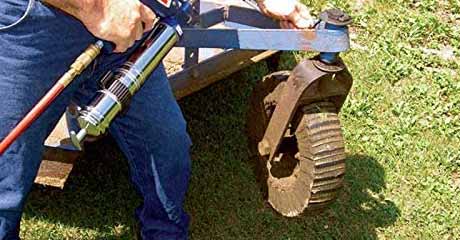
121	22
291	13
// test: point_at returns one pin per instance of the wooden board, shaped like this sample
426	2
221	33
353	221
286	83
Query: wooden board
57	162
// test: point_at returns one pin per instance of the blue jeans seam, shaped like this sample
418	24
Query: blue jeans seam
25	15
128	147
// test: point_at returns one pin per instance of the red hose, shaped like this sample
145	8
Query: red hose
78	66
38	109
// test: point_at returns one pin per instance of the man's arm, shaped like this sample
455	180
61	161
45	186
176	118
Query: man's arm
119	21
124	21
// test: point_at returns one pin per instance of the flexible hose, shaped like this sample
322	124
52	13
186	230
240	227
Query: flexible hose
80	64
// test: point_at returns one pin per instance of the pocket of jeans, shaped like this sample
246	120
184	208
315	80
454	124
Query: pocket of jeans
14	12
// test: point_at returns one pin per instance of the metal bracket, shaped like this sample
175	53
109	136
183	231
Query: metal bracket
191	56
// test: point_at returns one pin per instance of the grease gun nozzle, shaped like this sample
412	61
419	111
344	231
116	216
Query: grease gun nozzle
77	138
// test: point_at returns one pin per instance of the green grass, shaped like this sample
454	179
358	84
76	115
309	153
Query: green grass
401	124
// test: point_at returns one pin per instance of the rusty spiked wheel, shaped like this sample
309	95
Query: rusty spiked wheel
309	168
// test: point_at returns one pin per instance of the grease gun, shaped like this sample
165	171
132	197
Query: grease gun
122	84
119	86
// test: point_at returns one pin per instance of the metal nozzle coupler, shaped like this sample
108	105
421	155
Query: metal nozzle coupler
121	85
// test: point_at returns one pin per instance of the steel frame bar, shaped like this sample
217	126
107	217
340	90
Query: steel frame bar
250	30
320	40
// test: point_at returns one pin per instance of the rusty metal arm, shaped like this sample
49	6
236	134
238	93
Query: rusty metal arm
308	83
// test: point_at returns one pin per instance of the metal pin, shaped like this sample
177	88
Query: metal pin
77	138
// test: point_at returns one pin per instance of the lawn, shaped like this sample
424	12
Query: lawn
402	128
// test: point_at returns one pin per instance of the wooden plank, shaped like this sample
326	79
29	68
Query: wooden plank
57	161
56	167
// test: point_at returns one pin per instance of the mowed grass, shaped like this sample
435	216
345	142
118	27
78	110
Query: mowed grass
402	130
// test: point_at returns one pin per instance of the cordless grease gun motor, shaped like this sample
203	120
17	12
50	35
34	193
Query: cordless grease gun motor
119	86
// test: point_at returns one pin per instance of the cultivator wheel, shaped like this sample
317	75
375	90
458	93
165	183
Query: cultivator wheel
309	168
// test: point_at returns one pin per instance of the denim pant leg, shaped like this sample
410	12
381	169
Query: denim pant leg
32	56
153	136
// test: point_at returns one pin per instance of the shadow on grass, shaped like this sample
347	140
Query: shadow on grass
361	208
98	198
226	202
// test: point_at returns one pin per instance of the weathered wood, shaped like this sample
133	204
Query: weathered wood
212	70
56	167
57	162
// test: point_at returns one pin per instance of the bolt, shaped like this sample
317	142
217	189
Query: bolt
264	147
195	73
338	15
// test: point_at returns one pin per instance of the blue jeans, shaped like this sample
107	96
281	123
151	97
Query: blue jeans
152	133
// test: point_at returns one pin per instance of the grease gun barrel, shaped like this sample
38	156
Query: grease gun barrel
122	84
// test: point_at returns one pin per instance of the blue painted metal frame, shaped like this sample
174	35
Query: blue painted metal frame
321	40
248	29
